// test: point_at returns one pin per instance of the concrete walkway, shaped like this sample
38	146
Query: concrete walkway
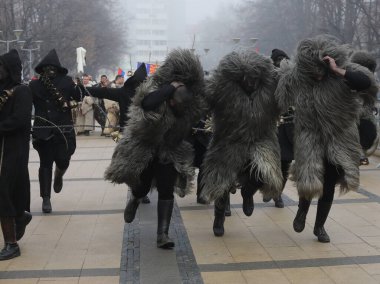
85	240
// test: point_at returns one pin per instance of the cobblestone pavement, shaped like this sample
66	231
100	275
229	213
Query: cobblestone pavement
85	240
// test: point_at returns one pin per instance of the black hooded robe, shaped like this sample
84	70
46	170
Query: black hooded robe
15	123
48	112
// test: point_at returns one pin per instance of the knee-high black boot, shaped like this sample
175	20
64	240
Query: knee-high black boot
164	215
11	248
58	179
300	219
323	211
219	212
131	208
45	176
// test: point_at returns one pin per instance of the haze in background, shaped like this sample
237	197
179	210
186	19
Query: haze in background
198	10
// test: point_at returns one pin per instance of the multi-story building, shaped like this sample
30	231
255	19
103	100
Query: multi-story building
154	27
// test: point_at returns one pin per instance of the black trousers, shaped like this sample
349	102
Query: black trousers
53	150
165	176
250	182
331	177
285	165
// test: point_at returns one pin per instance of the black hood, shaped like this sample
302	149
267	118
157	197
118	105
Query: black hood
12	62
277	53
138	77
51	59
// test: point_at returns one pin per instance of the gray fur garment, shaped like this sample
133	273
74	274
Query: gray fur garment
326	116
244	125
160	133
367	97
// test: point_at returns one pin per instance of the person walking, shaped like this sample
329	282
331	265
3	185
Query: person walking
54	95
153	151
15	124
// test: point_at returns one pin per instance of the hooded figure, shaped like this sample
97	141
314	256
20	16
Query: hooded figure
54	94
153	151
244	148
277	56
15	123
321	86
369	138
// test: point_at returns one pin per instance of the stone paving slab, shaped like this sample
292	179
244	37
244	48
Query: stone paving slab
85	239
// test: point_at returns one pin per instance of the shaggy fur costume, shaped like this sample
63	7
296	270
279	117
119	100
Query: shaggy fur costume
326	116
244	125
160	133
368	100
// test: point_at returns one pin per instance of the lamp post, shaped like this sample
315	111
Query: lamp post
30	50
8	42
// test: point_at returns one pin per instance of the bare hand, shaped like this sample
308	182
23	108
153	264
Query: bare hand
332	64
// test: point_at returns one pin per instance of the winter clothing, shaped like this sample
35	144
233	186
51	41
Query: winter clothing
53	135
326	117
244	146
15	123
153	151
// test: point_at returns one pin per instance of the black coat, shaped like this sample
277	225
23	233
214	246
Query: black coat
49	113
15	123
122	95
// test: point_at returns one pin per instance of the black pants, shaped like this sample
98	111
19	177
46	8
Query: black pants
285	165
250	182
165	176
331	177
53	150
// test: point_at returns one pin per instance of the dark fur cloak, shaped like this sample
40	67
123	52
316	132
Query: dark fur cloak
327	111
160	133
369	137
244	125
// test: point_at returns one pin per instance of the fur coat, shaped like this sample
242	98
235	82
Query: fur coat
240	94
160	133
368	133
326	118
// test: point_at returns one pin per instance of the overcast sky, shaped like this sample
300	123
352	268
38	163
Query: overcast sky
197	10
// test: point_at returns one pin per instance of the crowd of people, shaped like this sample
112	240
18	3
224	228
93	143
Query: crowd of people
252	124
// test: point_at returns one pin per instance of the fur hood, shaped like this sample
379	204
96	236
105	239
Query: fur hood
160	133
310	54
240	94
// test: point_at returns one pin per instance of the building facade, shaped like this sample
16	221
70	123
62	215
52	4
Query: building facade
154	28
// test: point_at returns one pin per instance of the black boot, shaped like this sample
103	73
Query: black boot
219	212
45	176
300	219
323	211
164	214
11	248
58	181
227	212
21	223
278	202
131	208
248	205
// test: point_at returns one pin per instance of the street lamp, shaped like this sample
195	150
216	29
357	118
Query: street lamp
30	50
7	42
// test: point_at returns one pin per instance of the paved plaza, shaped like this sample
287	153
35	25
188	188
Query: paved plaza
85	239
